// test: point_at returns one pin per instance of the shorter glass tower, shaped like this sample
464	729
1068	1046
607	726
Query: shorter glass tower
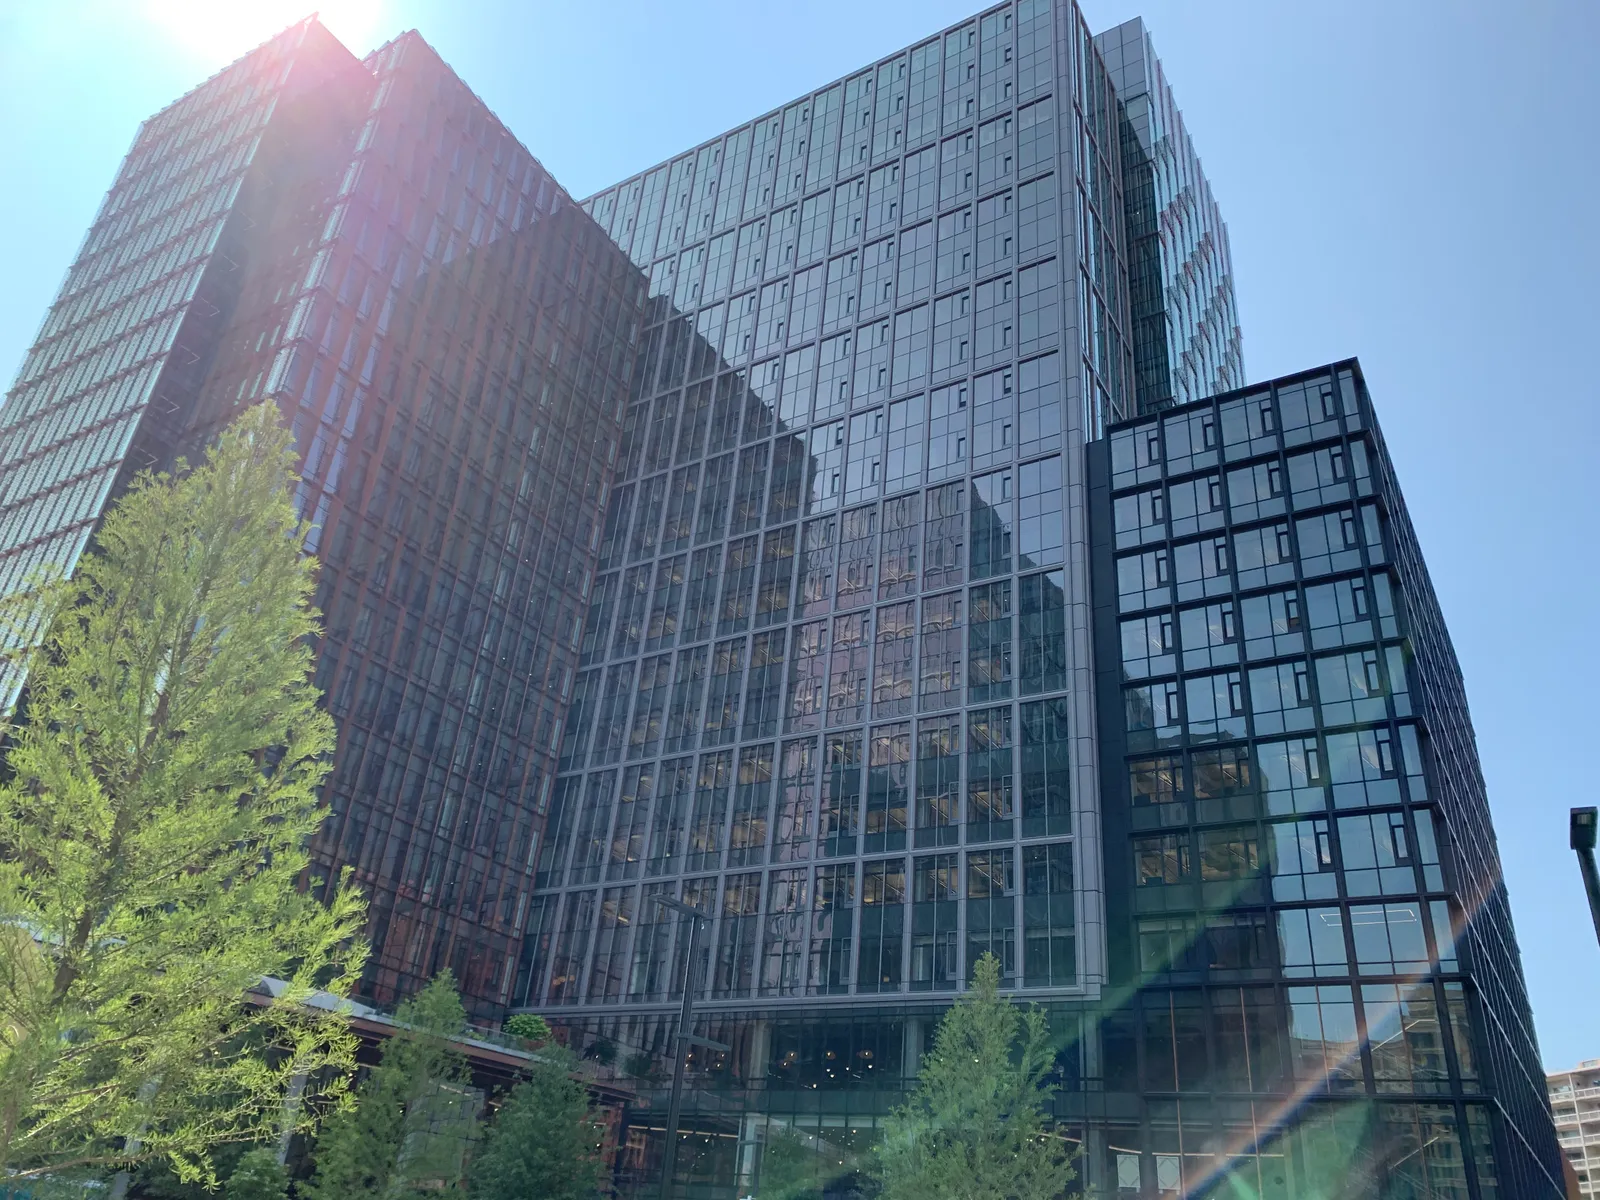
1304	903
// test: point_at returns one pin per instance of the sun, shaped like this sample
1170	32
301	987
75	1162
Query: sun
222	30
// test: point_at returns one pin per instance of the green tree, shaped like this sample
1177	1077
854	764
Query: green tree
544	1142
158	1181
259	1176
975	1128
414	1115
157	804
794	1166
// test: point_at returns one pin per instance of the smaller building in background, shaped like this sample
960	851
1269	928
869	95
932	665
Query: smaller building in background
1575	1101
1186	341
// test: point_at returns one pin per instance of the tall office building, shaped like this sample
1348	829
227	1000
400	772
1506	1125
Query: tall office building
828	529
363	244
849	688
119	358
828	694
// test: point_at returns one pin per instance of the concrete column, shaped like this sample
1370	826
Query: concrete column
751	1127
758	1053
912	1051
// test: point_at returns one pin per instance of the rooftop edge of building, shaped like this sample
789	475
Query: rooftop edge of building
865	68
1352	364
414	36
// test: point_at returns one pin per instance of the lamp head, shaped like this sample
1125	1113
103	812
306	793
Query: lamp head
1583	828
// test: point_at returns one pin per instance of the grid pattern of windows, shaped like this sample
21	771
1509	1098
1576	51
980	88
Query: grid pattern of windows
73	424
449	337
1298	825
920	418
724	540
496	322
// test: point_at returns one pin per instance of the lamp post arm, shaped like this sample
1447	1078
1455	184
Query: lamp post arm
1591	884
1584	822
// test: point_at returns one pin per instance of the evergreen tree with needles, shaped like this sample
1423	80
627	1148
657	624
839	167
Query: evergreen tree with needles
259	1176
544	1142
157	803
414	1117
976	1128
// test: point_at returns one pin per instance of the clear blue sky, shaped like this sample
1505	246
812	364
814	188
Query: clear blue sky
1414	183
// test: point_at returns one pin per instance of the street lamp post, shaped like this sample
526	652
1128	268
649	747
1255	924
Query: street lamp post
1583	838
681	1043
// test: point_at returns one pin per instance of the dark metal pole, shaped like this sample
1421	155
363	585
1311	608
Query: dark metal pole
1583	829
680	1047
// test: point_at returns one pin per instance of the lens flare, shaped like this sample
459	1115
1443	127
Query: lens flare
222	30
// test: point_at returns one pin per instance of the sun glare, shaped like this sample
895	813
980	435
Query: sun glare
222	30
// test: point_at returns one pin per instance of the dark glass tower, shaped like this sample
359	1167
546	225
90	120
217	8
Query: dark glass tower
1305	909
846	689
826	690
363	244
457	358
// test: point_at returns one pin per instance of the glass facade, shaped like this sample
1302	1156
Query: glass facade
1180	283
826	689
119	354
363	244
1304	901
824	529
456	361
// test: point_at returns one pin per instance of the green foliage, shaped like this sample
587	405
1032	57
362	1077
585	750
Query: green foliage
975	1128
158	1181
798	1166
259	1176
414	1116
544	1142
530	1027
640	1064
154	819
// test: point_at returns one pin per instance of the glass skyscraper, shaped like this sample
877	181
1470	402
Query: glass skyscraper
1307	922
837	687
827	694
855	527
363	244
117	361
